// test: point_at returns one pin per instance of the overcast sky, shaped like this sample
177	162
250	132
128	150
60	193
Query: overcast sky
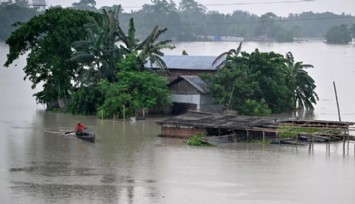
279	7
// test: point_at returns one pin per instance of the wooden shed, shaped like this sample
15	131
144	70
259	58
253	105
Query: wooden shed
192	122
190	93
250	127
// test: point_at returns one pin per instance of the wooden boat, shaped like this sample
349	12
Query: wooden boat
86	136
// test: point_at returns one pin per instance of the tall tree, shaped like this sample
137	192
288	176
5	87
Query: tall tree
260	83
234	85
85	5
160	13
338	35
228	56
266	23
301	83
352	29
193	20
48	38
98	53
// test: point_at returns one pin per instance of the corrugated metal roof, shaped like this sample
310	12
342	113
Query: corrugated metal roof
239	122
186	62
211	120
195	81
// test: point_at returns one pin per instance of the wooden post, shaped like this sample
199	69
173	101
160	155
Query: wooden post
336	97
247	135
124	115
263	136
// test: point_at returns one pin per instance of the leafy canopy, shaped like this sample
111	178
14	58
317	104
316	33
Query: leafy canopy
47	39
261	83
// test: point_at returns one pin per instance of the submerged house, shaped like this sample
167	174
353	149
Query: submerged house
189	91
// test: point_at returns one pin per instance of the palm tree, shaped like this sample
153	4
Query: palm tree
302	84
228	56
98	53
228	60
149	48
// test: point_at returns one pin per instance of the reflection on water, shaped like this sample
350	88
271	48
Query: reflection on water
130	164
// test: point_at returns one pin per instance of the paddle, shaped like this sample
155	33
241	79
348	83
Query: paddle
69	132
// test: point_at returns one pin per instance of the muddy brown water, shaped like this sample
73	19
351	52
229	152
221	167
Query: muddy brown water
131	164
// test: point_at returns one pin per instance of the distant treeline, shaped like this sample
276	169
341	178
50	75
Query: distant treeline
190	21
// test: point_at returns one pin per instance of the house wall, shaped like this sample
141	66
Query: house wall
183	87
205	99
175	73
185	98
180	132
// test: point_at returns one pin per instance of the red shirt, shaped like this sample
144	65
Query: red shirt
79	127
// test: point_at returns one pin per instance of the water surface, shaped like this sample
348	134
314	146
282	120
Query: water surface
130	164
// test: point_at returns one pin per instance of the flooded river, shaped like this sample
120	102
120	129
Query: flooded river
131	164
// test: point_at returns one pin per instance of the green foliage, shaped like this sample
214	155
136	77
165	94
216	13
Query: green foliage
261	83
77	52
338	35
195	140
98	53
132	91
293	131
284	36
85	100
85	5
253	107
301	83
147	49
190	21
48	38
352	30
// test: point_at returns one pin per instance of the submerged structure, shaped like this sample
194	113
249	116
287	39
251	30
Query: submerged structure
226	127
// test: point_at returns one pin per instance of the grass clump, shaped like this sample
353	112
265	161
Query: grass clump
195	140
289	132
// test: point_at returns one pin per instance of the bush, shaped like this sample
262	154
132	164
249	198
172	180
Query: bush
196	140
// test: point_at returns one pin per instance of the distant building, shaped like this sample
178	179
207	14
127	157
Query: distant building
220	38
39	4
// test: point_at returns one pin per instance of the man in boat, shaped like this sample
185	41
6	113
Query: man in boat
79	128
